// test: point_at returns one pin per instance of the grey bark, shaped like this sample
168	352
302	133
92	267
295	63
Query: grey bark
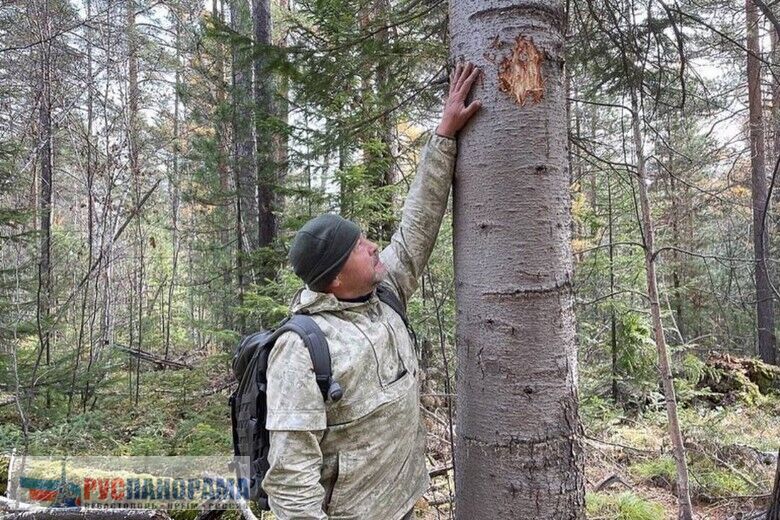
685	510
518	450
764	298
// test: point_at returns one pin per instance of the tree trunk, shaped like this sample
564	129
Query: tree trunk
45	199
244	170
518	451
243	124
612	316
678	448
90	219
221	133
133	94
764	298
264	136
174	192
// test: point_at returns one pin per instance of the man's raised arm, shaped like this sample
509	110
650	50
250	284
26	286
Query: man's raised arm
411	245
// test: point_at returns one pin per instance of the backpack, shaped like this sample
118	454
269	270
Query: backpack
248	402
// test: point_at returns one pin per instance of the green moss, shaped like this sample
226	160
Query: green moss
625	506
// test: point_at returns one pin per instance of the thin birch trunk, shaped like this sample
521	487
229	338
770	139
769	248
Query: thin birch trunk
685	511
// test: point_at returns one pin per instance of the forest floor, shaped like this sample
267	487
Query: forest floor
732	441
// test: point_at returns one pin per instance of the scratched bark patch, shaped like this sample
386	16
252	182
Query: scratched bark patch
520	73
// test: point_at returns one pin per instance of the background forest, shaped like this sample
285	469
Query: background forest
156	158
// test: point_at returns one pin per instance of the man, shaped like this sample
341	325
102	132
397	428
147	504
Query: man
361	457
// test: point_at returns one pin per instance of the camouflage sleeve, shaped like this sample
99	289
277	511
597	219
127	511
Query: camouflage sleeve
295	402
411	245
296	419
293	480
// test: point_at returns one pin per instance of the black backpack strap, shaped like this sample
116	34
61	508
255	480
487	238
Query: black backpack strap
317	344
388	296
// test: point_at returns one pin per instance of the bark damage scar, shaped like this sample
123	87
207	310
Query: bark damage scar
520	73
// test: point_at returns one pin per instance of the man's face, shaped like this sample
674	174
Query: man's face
363	270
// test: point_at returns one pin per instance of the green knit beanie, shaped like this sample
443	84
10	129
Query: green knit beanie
321	248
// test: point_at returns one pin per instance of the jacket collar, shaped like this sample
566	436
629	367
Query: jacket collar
307	301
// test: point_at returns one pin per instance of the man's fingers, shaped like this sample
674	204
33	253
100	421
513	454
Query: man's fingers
469	81
464	74
456	74
472	109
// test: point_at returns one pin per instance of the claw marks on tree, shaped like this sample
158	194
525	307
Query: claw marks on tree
520	73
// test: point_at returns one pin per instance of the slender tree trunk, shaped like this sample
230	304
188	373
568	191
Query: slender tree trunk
174	194
221	133
764	298
46	184
135	173
612	316
244	161
518	452
281	112
90	217
105	271
678	448
264	136
244	170
387	122
775	133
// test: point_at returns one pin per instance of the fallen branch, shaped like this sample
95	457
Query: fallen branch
609	481
618	445
148	356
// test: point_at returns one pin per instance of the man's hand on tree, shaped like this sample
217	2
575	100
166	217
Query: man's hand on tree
456	114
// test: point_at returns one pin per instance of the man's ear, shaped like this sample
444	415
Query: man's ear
335	283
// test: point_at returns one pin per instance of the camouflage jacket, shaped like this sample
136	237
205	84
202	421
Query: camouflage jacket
361	458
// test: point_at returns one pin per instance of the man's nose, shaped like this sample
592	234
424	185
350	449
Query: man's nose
372	248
